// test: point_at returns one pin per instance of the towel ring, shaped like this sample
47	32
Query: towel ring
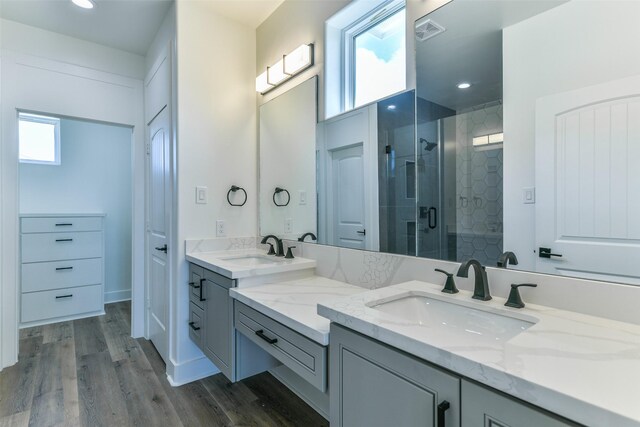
280	190
233	189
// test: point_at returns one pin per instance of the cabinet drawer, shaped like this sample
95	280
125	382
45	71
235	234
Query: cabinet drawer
39	247
62	302
302	355
42	276
196	323
60	224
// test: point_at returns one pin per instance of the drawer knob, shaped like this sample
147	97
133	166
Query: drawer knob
261	334
64	296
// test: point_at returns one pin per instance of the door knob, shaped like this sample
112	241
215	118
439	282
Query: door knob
162	249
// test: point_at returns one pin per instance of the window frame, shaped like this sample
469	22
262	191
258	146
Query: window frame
367	21
49	120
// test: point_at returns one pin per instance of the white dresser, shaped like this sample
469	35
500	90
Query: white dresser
62	274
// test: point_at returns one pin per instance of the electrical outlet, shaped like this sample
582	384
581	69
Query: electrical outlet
201	195
221	230
288	226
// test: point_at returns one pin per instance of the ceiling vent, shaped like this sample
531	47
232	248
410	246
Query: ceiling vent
427	29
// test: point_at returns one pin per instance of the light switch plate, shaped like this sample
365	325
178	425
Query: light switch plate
302	195
529	195
201	195
288	226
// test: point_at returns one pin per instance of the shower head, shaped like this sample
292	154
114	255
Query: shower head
429	145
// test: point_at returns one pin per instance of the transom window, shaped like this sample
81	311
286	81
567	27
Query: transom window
39	139
375	63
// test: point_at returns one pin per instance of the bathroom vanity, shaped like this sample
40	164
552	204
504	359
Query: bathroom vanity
408	352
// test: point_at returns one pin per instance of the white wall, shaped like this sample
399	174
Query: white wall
46	72
574	45
216	144
94	177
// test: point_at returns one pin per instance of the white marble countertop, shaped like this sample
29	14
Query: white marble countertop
218	262
581	367
294	303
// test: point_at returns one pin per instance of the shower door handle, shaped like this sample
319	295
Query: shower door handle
432	217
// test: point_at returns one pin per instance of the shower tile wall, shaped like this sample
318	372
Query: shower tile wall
479	186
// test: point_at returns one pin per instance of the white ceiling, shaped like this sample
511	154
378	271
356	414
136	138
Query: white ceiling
128	25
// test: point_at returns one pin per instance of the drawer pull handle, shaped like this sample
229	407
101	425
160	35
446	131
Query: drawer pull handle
64	296
261	334
442	409
201	286
193	285
63	268
64	224
195	328
64	240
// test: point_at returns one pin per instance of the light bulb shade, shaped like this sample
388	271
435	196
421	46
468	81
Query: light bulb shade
261	83
85	4
299	59
275	73
496	138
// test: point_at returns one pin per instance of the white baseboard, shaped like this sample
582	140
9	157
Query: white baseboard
117	296
60	319
189	371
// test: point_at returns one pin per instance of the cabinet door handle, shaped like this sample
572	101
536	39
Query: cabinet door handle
442	409
64	296
546	253
201	286
261	334
195	328
64	240
193	285
63	268
64	224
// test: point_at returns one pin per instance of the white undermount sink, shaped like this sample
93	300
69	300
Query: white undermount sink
452	317
252	260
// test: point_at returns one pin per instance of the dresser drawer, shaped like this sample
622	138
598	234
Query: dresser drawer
302	355
196	324
60	224
42	276
44	305
39	247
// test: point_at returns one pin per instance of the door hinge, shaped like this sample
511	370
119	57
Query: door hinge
148	303
148	148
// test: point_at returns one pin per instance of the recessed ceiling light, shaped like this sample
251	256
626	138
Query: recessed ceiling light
85	4
391	107
464	85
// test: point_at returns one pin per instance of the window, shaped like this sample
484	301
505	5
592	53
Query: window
39	139
365	54
377	57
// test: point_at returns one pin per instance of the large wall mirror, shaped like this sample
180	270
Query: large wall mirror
521	135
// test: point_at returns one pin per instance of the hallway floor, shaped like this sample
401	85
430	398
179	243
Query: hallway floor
90	372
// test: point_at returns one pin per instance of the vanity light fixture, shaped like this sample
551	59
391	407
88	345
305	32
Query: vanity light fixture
464	85
492	139
85	4
291	64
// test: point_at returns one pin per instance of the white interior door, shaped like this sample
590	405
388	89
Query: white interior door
347	185
158	230
588	182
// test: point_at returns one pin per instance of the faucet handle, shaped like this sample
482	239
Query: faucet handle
271	251
450	284
514	299
289	254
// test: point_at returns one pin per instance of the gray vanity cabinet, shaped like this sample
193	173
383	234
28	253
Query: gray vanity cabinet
217	336
373	384
483	407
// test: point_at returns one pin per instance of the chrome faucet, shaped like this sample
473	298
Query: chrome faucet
279	247
481	287
506	259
